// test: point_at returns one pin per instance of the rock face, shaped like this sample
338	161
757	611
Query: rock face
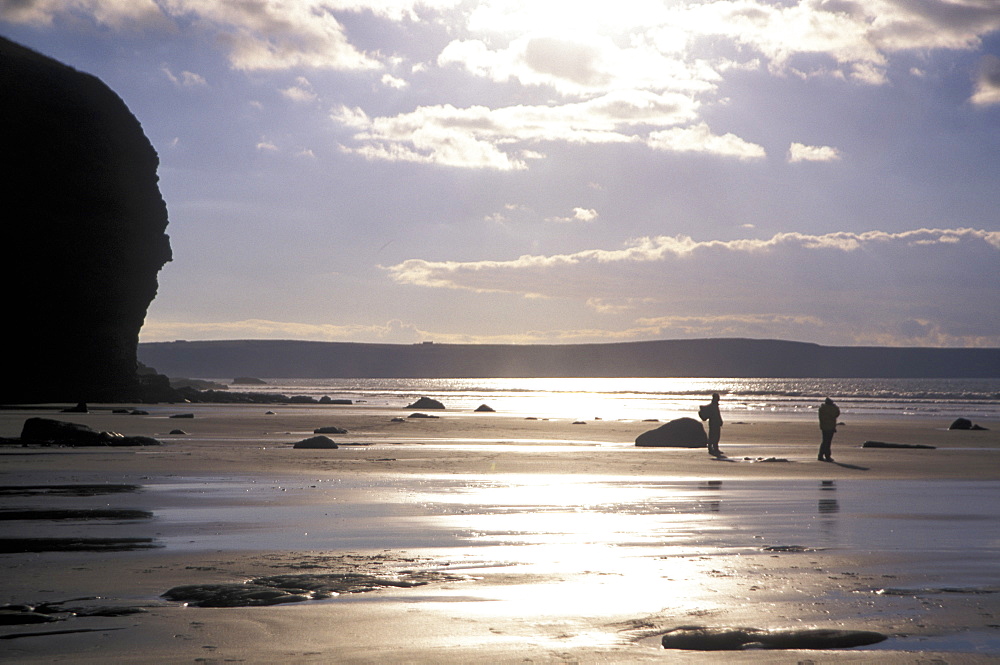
84	233
680	433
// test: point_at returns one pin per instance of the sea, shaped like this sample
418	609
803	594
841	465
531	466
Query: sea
663	398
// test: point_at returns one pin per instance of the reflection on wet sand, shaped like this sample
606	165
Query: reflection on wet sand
554	547
828	505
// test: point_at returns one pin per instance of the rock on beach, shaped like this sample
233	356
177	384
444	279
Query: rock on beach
426	403
316	442
679	433
694	638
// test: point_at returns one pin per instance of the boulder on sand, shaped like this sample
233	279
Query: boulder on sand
883	444
316	442
426	403
61	433
696	638
965	423
680	433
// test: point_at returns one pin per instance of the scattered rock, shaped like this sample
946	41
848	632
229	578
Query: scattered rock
679	433
421	415
937	590
25	545
316	442
14	617
61	433
330	430
76	514
326	399
694	638
232	595
965	424
883	444
178	432
183	415
105	611
66	490
579	422
295	588
139	412
397	420
302	399
426	403
79	408
485	408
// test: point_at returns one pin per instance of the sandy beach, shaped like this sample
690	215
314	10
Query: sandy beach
512	539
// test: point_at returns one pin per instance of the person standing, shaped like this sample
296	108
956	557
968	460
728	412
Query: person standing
828	414
710	412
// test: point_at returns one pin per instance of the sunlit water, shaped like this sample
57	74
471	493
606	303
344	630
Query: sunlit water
950	519
641	398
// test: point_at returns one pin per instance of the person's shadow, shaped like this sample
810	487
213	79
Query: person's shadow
849	466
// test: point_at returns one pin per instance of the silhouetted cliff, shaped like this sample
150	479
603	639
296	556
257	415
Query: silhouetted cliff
84	233
668	358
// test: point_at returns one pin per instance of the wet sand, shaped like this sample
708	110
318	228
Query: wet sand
544	540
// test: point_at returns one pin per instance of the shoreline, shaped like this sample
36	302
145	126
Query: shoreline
566	541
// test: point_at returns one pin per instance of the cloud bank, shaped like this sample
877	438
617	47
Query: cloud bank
790	281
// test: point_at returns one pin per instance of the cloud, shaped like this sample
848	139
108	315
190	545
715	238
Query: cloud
394	331
579	215
278	34
987	91
302	91
259	35
687	46
699	138
794	279
504	138
490	275
797	152
391	81
581	66
186	79
116	14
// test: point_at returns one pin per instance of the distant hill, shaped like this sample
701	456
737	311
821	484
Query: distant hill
667	358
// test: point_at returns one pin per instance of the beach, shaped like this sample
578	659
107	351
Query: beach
513	539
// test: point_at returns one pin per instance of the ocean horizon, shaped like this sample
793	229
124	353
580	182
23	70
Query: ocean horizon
660	398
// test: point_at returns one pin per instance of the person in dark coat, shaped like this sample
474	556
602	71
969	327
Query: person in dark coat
828	414
710	412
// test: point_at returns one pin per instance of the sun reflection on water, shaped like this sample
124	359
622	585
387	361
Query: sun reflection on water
603	546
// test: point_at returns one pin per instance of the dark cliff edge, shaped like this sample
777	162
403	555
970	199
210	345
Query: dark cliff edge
84	233
666	358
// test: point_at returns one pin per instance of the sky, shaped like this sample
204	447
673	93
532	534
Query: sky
561	171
